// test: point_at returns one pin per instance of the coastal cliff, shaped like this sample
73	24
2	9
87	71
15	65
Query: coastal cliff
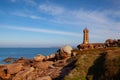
91	64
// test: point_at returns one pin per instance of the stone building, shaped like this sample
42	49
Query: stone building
86	44
86	36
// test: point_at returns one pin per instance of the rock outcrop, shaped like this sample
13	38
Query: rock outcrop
14	68
50	57
28	69
39	57
64	52
107	43
39	68
44	78
112	43
66	49
3	72
42	65
10	59
22	75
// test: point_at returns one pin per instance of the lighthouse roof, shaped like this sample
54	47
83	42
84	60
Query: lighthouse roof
85	30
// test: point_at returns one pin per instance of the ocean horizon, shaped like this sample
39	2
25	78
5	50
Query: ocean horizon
28	53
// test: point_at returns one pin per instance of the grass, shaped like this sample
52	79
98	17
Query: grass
89	61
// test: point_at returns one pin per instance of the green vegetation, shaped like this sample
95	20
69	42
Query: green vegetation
96	64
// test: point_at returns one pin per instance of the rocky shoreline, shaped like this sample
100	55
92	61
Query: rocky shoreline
52	67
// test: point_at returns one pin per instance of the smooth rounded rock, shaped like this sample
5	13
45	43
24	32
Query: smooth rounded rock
40	57
66	49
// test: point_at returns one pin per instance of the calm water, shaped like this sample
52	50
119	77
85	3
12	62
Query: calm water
24	52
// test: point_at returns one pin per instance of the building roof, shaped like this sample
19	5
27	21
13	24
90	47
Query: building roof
85	30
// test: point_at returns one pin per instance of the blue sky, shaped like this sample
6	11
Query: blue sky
51	23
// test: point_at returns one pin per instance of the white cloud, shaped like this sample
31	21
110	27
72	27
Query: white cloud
42	30
74	17
100	23
23	14
50	9
29	2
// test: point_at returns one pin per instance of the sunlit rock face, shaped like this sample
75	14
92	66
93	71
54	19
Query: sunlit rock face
64	52
39	57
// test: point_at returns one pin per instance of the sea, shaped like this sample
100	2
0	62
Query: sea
27	53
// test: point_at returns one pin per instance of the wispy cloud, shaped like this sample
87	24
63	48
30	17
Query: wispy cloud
79	16
29	2
60	15
99	22
54	10
42	30
23	14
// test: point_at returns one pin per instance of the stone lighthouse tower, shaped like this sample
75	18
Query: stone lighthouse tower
85	36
